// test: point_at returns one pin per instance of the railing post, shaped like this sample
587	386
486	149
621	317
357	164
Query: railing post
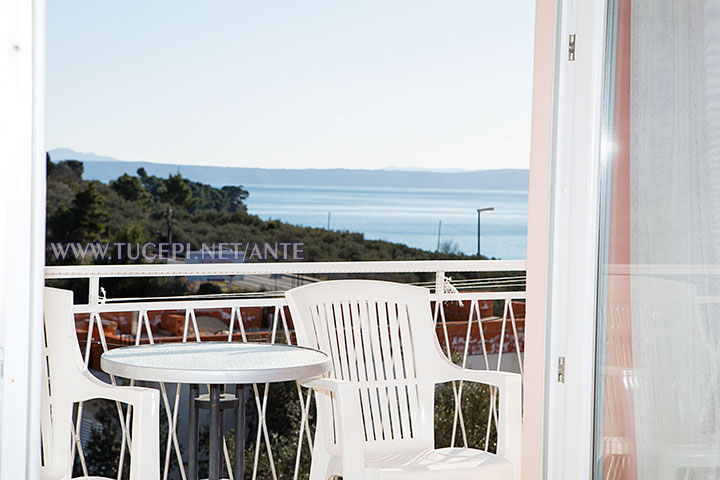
439	284
94	290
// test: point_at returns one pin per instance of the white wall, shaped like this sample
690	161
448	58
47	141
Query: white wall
22	219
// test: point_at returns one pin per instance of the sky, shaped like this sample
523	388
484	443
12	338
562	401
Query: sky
442	84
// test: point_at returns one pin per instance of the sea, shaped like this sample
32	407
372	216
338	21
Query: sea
413	216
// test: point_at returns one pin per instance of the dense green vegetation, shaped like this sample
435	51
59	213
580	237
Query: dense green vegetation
135	209
145	208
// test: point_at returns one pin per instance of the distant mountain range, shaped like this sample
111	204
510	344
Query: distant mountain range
107	168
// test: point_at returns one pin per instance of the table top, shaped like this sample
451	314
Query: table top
215	362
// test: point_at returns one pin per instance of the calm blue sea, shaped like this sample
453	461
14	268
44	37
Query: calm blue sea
403	215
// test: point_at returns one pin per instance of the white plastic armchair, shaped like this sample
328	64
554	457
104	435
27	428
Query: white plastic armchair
67	381
376	408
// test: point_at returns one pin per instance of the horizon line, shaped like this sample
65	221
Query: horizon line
104	158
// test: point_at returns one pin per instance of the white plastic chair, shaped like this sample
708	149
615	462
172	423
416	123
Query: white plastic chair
67	381
673	381
375	411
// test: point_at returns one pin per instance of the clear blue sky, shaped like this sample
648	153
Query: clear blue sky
293	83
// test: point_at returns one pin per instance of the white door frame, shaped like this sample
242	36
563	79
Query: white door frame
573	238
22	234
574	227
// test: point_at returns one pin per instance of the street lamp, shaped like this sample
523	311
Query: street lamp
169	218
479	211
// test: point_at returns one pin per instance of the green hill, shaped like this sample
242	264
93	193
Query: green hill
145	208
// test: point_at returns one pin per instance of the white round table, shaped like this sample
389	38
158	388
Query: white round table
216	364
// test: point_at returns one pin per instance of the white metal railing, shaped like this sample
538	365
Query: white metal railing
445	293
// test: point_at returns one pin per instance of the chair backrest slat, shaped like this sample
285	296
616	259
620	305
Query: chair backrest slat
350	349
340	332
409	367
370	403
380	370
399	369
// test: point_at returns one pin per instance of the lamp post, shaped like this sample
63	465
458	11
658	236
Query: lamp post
479	211
169	218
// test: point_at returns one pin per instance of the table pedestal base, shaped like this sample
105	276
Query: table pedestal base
216	402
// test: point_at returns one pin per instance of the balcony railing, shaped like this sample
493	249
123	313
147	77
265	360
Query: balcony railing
479	320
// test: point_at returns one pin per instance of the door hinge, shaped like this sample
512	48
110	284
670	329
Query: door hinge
571	48
561	369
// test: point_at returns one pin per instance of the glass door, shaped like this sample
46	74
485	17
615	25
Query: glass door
657	392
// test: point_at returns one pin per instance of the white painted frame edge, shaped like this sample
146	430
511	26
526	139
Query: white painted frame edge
22	64
574	243
38	219
177	303
180	270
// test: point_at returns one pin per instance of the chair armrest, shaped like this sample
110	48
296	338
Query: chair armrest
350	418
346	394
327	384
509	426
145	448
451	372
95	388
